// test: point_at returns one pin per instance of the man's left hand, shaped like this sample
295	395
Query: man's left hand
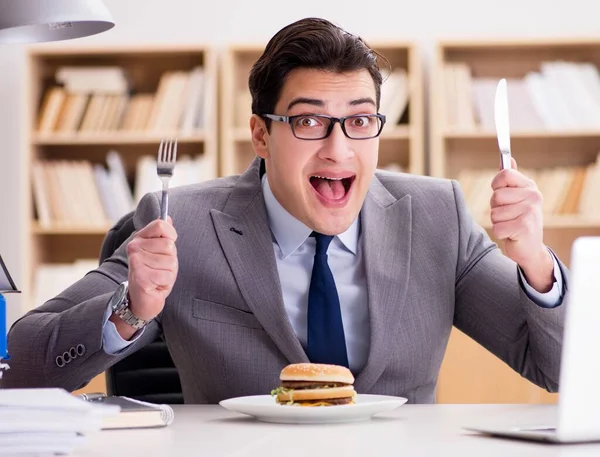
516	215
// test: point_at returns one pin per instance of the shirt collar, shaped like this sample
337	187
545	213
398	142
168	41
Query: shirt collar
290	233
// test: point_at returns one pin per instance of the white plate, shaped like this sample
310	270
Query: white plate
265	409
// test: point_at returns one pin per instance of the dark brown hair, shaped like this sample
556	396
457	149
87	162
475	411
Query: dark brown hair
308	43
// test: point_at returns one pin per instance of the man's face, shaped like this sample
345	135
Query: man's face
322	183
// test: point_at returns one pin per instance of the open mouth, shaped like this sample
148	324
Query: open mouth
332	189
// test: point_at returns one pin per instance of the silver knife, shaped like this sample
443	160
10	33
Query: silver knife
502	125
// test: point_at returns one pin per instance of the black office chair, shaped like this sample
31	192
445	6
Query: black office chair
148	374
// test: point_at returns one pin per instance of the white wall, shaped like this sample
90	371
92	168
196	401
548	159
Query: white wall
234	21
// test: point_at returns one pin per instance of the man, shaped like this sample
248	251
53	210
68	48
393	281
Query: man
310	256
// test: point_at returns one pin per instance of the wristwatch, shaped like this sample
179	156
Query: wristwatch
119	303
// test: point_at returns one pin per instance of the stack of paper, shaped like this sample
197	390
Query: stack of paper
47	421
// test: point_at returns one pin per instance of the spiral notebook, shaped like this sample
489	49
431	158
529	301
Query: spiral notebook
134	413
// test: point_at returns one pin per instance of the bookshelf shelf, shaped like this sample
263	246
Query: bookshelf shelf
401	143
515	135
36	229
112	139
555	222
554	107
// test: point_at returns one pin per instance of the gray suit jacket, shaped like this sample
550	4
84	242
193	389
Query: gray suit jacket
428	267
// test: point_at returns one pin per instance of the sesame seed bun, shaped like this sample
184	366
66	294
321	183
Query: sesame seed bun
316	372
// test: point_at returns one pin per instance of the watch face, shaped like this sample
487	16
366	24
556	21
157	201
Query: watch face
119	296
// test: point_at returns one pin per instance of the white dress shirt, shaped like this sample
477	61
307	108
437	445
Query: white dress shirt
294	252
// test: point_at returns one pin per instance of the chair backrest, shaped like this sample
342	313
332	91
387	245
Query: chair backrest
148	374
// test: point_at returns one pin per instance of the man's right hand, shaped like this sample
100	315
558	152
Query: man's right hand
153	267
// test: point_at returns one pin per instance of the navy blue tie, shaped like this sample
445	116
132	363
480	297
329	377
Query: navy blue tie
325	338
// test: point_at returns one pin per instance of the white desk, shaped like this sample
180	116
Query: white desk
410	430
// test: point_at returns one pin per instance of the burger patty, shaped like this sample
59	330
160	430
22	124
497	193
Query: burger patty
332	401
310	384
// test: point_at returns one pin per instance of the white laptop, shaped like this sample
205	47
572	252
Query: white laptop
578	409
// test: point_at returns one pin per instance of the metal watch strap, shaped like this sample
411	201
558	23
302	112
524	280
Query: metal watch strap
128	317
120	306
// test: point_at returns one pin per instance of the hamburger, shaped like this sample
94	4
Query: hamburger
314	384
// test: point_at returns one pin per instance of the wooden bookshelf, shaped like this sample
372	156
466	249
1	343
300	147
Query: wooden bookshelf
463	144
145	69
401	144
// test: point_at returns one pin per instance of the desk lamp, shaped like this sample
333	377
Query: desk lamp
31	21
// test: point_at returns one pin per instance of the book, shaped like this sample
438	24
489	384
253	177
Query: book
133	413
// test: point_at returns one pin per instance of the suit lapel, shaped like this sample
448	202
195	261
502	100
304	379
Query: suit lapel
243	231
386	224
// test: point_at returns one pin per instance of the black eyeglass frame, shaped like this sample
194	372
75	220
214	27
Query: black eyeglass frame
333	120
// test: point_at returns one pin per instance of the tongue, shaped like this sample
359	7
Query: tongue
328	188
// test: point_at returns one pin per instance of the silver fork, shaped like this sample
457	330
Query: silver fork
165	165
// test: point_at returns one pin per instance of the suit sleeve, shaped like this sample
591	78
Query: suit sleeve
493	308
72	323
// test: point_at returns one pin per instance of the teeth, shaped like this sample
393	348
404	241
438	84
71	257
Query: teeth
323	177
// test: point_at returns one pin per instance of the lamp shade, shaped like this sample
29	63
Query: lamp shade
29	21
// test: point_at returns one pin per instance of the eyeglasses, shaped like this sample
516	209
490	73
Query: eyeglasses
320	126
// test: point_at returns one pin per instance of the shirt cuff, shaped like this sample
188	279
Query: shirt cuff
112	342
553	297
